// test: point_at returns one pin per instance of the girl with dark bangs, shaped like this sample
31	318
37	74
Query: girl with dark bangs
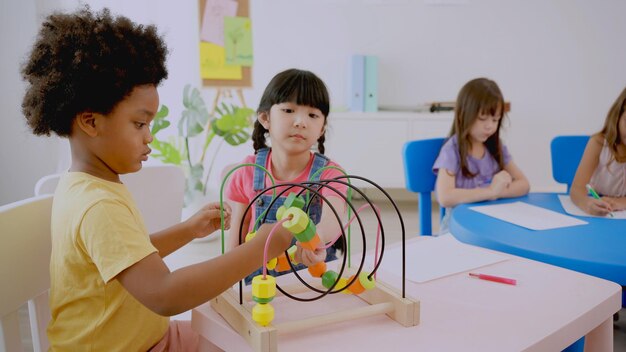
293	113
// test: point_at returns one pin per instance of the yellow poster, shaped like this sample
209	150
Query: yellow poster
213	63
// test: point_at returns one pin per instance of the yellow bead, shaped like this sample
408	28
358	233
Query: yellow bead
341	283
365	282
271	264
298	222
264	288
280	212
263	314
250	236
292	254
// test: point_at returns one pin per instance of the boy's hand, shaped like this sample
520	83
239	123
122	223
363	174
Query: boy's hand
308	257
208	219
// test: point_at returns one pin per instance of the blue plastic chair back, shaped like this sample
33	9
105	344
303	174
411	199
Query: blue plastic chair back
566	154
418	158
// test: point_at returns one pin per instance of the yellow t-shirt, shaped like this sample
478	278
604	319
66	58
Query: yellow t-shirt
97	232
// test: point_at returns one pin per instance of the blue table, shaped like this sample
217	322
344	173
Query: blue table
597	248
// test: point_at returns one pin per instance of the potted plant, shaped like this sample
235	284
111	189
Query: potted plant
197	129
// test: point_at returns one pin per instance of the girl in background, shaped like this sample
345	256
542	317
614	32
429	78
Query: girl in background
603	165
473	164
293	112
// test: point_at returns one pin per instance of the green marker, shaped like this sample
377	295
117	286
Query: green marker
594	194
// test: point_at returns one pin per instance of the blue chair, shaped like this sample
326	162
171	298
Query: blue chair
566	154
418	158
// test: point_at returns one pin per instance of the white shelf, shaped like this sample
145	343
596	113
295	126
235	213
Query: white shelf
369	144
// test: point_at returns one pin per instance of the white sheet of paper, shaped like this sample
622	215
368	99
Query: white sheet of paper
528	216
572	209
437	257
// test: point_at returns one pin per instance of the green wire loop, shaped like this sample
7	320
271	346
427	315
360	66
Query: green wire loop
222	196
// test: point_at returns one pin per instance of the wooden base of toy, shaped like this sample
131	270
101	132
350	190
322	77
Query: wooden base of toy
382	300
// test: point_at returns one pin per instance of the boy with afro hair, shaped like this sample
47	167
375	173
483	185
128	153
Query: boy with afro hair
93	77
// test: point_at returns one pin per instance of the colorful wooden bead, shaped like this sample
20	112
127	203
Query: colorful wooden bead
317	269
250	236
298	220
312	244
280	212
294	201
263	287
292	254
271	264
263	314
282	263
307	234
365	281
341	283
329	278
356	286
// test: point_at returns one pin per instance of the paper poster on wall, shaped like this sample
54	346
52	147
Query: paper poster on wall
219	37
238	41
213	63
212	26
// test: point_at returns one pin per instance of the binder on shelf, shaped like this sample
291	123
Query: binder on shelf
371	83
357	85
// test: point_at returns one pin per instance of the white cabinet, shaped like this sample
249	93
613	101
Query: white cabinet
370	144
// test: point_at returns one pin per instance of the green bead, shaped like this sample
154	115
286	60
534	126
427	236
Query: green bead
307	234
329	278
294	201
262	300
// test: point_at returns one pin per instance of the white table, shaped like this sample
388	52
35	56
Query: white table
548	310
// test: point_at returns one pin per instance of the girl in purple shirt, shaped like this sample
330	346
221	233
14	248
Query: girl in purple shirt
473	165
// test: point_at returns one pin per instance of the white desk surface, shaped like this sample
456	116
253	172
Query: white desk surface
549	309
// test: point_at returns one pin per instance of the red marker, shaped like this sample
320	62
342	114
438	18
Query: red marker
502	280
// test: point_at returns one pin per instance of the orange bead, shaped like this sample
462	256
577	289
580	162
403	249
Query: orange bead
317	269
311	244
282	264
356	286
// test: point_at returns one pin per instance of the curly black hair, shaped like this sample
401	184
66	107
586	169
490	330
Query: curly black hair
87	61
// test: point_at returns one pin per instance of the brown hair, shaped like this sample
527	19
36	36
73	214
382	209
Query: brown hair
480	95
610	131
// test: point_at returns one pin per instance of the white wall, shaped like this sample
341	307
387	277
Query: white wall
24	158
559	62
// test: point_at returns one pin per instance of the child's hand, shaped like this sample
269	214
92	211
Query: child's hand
616	204
208	219
500	182
308	257
597	207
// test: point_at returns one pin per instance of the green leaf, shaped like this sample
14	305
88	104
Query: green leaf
195	116
166	152
159	122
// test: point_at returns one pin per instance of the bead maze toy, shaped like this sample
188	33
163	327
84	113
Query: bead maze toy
252	318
